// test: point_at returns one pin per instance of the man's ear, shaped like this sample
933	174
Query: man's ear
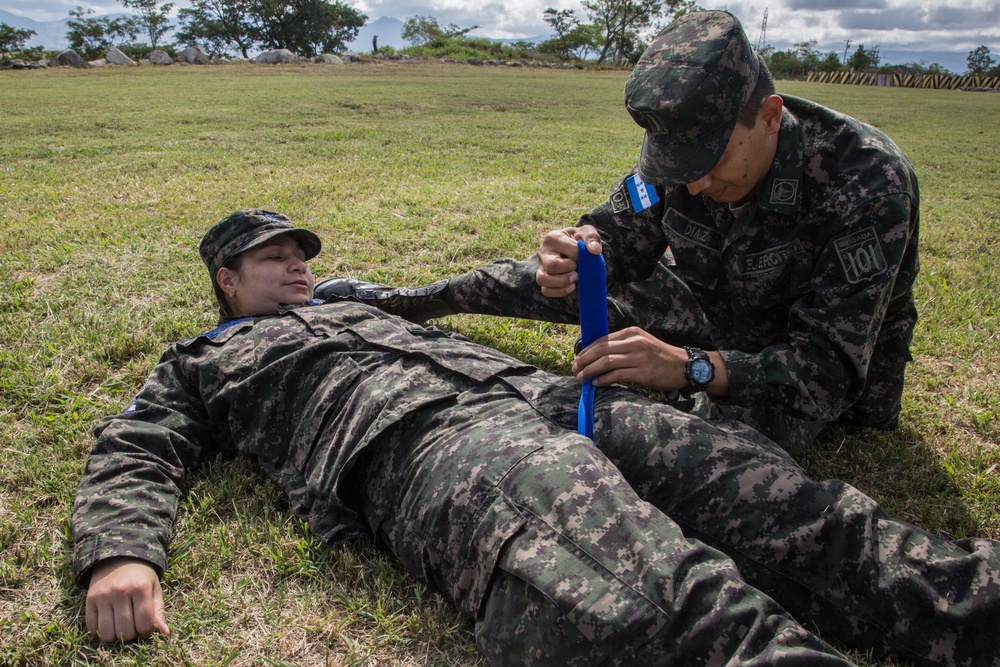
770	113
227	279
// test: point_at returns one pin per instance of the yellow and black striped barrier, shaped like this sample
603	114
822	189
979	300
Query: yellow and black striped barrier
935	81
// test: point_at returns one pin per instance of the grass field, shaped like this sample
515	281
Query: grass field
411	173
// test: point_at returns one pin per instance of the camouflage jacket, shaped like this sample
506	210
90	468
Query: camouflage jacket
812	280
304	392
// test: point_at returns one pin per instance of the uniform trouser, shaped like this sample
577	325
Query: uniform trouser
529	530
664	306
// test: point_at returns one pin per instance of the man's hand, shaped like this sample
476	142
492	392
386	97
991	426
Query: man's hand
556	273
124	600
635	356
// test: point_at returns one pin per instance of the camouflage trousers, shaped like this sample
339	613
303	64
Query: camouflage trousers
664	306
669	541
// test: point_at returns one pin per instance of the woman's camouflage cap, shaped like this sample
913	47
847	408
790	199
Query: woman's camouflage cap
686	91
247	229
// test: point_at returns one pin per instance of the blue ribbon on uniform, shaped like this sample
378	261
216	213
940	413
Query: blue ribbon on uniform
592	289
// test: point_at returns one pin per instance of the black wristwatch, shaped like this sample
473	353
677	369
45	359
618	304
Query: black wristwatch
699	370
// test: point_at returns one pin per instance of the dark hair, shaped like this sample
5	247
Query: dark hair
763	89
233	264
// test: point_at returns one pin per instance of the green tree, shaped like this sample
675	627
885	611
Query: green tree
619	20
86	35
425	31
622	21
578	43
807	54
862	60
830	63
12	39
152	18
979	61
218	25
306	27
562	23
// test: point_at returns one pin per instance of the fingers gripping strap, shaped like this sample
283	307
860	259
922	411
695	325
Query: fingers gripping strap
593	297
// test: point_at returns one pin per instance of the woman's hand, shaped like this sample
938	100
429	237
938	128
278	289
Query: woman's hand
124	600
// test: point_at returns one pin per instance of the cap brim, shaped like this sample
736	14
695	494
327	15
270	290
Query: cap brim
310	243
663	162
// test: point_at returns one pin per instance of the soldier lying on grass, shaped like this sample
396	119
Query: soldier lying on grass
667	540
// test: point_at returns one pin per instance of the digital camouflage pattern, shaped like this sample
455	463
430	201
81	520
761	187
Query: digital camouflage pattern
807	292
466	464
686	91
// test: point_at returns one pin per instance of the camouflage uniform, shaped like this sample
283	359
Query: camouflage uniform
806	291
465	463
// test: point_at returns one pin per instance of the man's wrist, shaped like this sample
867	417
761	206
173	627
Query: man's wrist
699	369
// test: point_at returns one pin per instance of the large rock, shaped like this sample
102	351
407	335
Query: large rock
194	55
276	57
158	57
329	58
71	58
116	57
100	62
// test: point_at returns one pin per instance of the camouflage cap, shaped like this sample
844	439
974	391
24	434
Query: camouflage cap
686	91
247	229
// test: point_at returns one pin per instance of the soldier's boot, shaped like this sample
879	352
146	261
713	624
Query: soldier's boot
417	304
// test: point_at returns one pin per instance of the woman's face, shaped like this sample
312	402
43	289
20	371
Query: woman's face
270	274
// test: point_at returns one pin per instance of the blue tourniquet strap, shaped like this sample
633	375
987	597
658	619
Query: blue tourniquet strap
593	295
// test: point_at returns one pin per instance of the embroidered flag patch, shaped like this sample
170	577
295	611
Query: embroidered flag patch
641	195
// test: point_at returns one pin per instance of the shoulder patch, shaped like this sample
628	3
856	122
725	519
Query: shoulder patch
860	255
642	196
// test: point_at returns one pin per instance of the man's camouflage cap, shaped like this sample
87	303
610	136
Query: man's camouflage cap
247	229
686	91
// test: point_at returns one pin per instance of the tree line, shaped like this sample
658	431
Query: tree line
612	31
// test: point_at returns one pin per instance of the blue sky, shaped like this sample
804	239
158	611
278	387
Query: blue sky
918	28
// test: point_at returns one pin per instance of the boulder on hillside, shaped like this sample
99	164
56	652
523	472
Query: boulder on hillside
276	57
329	58
158	57
116	57
194	55
70	58
100	62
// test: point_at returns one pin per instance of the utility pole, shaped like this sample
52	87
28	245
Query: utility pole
846	46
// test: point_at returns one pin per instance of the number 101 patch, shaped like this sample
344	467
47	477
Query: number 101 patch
860	255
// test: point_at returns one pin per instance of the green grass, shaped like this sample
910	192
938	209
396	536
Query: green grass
411	173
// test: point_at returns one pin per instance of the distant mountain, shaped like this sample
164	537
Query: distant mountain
390	33
50	34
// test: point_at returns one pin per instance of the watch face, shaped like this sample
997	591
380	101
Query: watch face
701	371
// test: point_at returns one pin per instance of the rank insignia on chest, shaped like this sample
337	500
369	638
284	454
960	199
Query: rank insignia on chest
784	191
641	195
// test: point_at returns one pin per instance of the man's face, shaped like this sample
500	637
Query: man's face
744	165
271	274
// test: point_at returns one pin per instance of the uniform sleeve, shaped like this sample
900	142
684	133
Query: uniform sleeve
633	240
131	486
821	370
